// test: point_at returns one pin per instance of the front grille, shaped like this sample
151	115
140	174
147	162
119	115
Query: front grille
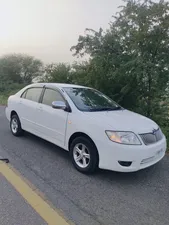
150	138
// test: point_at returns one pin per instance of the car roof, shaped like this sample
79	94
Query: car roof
58	85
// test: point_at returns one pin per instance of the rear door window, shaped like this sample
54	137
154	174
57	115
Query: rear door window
33	94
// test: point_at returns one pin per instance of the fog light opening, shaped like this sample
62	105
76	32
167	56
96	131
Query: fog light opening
125	163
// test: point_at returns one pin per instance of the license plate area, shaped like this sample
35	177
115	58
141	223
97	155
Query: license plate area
157	155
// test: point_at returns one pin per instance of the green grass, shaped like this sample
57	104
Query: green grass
5	95
3	99
11	91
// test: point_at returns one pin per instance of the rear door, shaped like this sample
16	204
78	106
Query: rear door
27	108
52	122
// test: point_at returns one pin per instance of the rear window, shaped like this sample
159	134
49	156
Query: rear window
24	94
32	94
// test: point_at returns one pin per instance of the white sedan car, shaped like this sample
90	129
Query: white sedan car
94	129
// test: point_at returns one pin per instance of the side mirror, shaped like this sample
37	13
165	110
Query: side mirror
59	105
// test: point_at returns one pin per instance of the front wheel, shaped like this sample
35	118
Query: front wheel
15	126
84	155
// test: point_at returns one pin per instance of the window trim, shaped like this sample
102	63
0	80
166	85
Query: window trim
68	108
25	91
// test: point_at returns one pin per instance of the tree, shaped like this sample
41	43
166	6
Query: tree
59	73
19	69
105	71
79	72
31	68
129	61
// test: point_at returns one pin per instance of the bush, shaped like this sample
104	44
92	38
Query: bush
10	90
166	132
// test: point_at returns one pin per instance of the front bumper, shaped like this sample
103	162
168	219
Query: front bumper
141	156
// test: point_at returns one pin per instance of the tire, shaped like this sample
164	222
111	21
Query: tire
84	148
15	126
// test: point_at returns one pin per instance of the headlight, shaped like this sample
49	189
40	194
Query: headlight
123	137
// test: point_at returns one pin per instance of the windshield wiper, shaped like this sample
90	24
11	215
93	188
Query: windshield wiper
118	108
106	109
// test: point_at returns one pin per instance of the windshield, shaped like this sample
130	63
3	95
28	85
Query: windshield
87	99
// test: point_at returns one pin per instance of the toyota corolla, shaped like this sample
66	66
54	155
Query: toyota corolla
95	130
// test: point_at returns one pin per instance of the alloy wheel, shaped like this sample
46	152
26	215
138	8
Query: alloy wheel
81	155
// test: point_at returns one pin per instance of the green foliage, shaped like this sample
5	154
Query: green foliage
3	99
80	73
19	68
16	71
9	90
165	130
129	62
58	73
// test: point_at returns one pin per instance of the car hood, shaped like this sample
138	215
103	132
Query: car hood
123	120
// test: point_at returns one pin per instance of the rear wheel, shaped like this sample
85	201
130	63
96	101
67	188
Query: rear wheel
15	125
84	155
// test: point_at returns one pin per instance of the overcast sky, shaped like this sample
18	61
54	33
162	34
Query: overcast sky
48	28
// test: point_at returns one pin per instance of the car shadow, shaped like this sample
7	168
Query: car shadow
54	149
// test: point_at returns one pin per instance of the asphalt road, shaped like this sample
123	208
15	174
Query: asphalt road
106	198
23	214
